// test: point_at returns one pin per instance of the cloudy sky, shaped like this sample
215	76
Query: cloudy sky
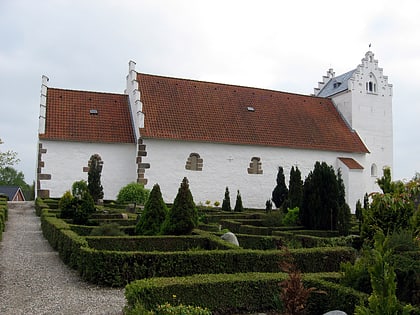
280	45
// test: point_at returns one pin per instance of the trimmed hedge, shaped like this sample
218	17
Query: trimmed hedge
117	268
248	292
3	215
308	241
114	268
154	243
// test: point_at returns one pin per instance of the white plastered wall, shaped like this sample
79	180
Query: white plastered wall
65	162
226	165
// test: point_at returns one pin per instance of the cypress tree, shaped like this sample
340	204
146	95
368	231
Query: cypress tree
154	214
226	201
183	216
94	178
295	189
238	204
320	202
280	192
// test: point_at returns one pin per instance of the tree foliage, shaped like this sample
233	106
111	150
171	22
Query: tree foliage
390	211
133	193
153	215
94	178
321	198
280	192
238	204
226	201
294	197
383	300
8	158
183	216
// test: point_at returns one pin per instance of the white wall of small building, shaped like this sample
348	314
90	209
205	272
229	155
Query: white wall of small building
225	165
65	162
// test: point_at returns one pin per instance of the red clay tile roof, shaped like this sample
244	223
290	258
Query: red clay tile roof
181	109
351	163
68	117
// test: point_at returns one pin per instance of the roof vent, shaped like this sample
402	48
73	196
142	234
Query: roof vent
250	109
93	112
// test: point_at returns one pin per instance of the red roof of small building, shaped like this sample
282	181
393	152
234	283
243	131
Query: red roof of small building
351	163
181	109
88	117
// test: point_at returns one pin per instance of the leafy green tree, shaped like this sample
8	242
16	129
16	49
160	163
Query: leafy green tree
280	192
183	216
153	215
84	208
238	204
79	188
321	195
294	198
67	205
391	211
383	300
133	193
94	178
226	201
8	158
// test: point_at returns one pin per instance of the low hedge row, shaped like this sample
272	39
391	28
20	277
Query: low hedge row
117	268
3	214
155	243
114	268
249	292
308	241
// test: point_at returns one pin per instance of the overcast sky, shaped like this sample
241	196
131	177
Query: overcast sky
281	45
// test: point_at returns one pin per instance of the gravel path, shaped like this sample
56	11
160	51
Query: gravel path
33	279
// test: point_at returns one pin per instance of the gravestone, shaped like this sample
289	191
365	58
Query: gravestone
231	238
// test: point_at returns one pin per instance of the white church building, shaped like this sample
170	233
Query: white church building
162	129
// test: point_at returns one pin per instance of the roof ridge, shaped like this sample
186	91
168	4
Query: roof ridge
230	85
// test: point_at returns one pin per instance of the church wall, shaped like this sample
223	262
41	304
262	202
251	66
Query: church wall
67	162
227	165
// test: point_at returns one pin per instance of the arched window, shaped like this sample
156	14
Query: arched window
373	170
371	84
255	167
194	162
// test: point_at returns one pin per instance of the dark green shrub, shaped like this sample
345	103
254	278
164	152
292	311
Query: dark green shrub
153	215
273	218
294	197
226	201
94	178
183	216
291	217
133	193
67	205
84	208
321	199
343	219
238	204
280	192
79	188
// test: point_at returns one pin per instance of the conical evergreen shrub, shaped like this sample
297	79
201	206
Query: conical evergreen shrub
238	205
183	216
226	201
154	214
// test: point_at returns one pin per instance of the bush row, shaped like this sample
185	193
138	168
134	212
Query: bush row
155	243
308	241
249	292
115	268
3	214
